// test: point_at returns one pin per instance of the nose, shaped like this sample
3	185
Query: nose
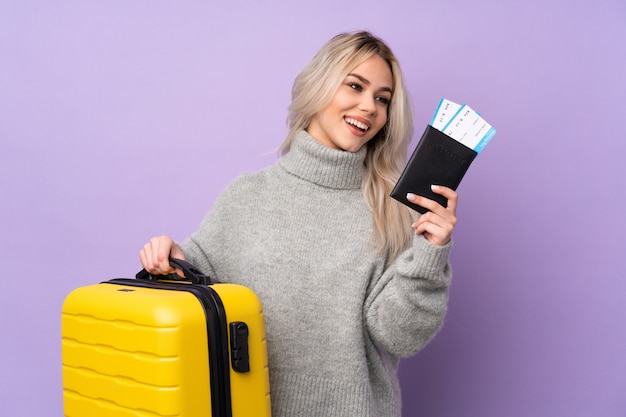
368	104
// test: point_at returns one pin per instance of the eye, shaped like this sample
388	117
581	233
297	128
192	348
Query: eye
383	100
355	86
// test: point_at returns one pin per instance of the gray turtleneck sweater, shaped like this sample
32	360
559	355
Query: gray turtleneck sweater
299	234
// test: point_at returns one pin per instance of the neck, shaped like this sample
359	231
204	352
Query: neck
322	165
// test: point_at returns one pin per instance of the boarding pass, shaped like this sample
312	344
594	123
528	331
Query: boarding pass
463	124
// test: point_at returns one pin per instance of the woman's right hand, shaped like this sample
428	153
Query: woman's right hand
156	253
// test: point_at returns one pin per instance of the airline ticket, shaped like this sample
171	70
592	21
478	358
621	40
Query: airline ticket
463	124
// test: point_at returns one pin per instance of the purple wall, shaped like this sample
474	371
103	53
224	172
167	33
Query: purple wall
122	120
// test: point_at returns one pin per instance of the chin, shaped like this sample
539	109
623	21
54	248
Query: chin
351	145
352	148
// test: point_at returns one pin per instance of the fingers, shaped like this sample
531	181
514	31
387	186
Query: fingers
433	205
156	253
438	223
448	193
434	229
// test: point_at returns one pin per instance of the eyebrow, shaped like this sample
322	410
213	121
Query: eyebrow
367	82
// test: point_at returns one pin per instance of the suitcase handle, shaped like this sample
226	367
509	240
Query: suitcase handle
191	273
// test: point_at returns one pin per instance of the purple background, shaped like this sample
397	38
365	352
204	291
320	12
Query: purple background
122	120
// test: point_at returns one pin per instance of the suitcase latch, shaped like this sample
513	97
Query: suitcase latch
240	359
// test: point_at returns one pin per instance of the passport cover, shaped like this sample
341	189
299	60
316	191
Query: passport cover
437	159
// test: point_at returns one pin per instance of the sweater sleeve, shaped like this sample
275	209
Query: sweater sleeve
196	256
406	306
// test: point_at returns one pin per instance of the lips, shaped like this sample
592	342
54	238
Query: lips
361	124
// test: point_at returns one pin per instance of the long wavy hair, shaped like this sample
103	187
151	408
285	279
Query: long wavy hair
315	87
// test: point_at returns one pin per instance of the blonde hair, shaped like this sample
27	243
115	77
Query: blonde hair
315	87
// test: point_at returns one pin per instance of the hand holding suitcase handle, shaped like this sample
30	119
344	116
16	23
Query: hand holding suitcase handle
191	273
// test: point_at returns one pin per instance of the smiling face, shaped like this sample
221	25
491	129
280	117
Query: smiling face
358	109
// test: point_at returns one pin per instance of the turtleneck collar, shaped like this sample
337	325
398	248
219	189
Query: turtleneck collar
310	160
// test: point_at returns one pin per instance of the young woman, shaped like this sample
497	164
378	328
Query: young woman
351	281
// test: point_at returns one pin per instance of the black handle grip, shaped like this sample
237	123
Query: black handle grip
191	273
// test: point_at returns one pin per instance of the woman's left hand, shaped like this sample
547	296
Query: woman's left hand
437	224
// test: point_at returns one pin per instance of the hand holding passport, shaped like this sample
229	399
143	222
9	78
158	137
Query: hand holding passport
455	136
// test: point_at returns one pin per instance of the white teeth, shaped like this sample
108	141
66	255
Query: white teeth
356	123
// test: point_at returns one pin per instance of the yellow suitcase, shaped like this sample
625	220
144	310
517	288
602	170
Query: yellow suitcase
148	348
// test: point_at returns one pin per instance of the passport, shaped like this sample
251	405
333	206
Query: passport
444	153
